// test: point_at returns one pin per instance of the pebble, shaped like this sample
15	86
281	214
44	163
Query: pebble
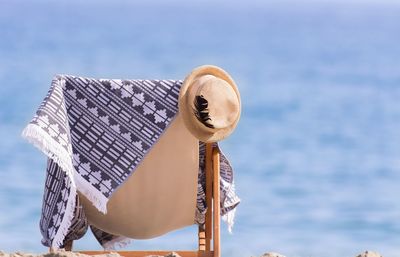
369	254
272	255
173	254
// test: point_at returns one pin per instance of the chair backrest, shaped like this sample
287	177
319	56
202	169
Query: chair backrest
160	196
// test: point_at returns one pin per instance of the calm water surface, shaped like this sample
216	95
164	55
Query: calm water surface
317	151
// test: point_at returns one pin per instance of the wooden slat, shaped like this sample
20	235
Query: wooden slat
147	253
216	202
209	182
202	239
202	234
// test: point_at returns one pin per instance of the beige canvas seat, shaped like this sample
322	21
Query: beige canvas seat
160	196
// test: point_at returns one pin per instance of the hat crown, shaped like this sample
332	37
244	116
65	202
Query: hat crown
210	103
215	103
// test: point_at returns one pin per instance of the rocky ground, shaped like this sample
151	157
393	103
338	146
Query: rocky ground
73	254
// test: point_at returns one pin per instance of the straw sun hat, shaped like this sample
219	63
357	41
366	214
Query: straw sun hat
209	102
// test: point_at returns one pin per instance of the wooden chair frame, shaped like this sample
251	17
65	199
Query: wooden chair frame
211	232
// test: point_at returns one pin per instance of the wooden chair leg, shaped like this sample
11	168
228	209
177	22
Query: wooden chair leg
68	245
216	203
209	183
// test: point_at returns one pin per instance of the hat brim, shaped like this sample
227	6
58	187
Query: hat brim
198	130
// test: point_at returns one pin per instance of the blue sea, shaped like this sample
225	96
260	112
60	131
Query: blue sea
317	150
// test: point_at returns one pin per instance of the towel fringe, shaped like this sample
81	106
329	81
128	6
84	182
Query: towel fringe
50	147
95	197
66	221
229	218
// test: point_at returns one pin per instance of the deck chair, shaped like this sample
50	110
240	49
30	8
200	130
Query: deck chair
160	196
176	182
209	236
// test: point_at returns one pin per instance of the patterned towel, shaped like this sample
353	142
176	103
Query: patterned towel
95	133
